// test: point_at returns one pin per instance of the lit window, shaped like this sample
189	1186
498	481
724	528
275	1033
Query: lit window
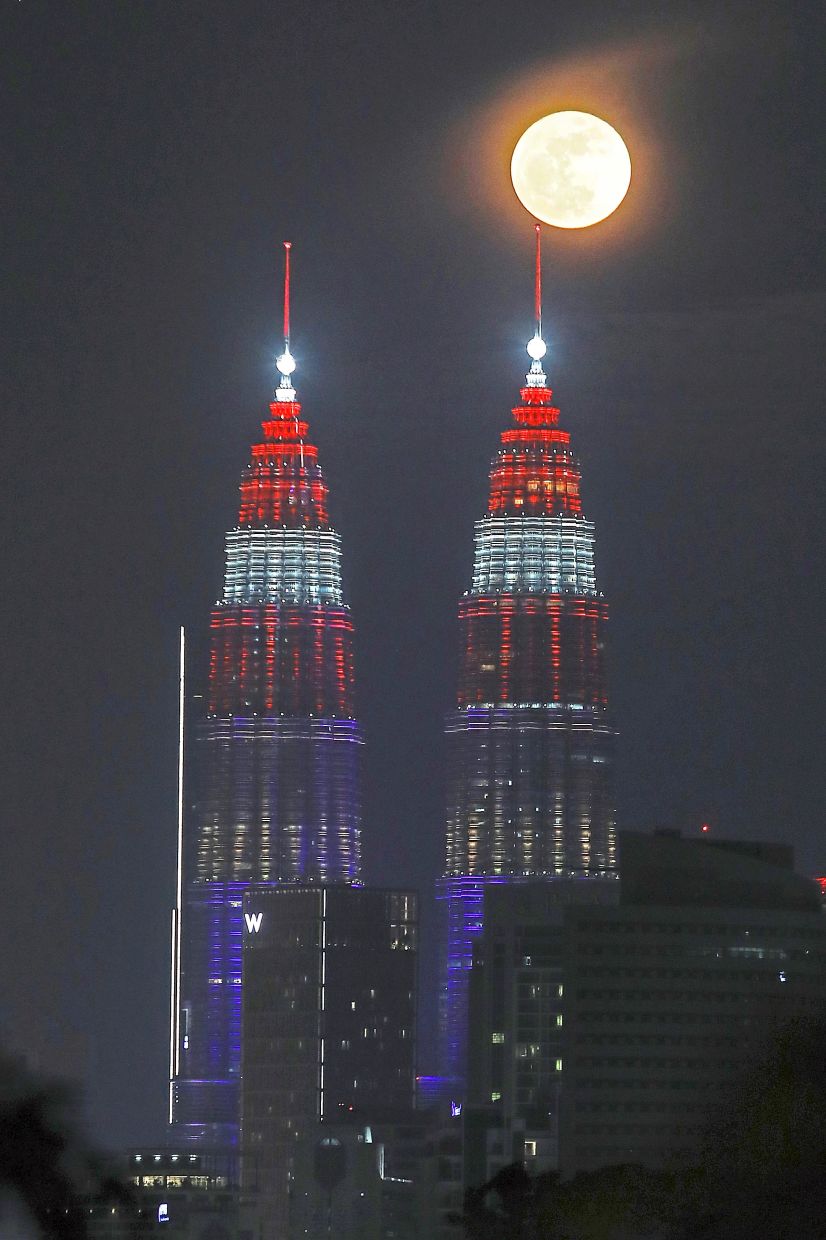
495	1095
530	1149
497	1038
559	1065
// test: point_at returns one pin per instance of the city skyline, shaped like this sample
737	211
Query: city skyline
158	166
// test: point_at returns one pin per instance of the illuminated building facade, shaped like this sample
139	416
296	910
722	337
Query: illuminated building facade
530	744
277	751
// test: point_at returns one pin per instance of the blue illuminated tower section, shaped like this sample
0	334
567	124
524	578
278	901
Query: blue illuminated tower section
278	749
530	745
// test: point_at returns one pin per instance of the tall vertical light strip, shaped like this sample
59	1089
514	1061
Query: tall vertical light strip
530	742
323	1003
175	983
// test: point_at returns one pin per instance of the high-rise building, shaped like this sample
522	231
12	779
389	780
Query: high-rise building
329	1017
516	1033
716	946
607	1031
277	756
530	744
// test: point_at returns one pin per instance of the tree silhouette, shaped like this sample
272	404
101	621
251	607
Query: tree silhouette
43	1161
763	1171
761	1174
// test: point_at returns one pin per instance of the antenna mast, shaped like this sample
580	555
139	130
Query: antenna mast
538	283
537	346
288	245
286	362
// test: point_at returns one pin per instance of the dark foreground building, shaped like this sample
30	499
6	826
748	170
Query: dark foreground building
278	752
530	744
517	1029
606	1032
329	1019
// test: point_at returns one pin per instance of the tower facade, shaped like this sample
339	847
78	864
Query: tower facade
277	759
530	744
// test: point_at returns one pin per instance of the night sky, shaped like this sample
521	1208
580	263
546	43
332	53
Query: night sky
158	154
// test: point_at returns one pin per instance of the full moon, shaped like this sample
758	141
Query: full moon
571	169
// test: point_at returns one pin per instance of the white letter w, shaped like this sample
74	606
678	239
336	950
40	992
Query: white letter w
253	921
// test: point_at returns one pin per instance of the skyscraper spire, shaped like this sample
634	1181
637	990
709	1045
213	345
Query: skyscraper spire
285	363
537	294
288	245
536	345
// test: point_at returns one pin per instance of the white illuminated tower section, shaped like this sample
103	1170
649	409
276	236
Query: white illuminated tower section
278	752
530	744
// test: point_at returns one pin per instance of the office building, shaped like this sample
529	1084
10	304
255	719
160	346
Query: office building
607	1021
329	1021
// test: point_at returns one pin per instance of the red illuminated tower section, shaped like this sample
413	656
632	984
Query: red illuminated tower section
530	744
278	751
281	799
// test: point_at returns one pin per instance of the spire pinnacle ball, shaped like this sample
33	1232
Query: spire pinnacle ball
285	363
571	169
536	348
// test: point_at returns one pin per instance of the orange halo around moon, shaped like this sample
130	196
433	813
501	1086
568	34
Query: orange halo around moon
624	83
571	169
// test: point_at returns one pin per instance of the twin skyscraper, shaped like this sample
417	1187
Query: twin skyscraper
275	767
